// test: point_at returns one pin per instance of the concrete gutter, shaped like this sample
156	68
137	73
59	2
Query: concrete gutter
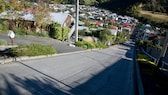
139	90
22	58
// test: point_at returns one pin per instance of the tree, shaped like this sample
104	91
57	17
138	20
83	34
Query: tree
41	12
2	6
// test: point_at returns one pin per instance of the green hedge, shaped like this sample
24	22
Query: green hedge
33	50
146	43
89	45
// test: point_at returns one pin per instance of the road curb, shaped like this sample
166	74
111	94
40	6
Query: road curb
23	58
138	80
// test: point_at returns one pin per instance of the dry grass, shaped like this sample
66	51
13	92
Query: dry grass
155	15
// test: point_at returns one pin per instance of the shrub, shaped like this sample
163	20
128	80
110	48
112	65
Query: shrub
100	45
89	45
81	44
105	36
20	31
57	32
1	27
146	43
5	25
121	37
33	50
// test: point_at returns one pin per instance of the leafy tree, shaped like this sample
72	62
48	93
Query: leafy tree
41	12
2	5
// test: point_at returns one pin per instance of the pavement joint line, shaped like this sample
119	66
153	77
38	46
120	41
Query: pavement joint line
23	58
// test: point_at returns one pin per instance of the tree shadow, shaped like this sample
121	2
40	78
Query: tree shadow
108	82
6	53
30	86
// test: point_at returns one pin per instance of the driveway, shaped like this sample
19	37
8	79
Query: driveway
98	72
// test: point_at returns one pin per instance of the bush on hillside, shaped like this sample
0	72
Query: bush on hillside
20	31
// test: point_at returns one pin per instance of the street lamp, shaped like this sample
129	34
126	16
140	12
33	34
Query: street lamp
76	20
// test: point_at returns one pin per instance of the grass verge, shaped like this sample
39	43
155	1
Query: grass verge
33	50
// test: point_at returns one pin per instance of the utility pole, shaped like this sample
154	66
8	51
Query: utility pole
163	51
76	20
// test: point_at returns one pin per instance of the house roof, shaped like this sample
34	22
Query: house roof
58	17
114	27
126	26
151	35
113	31
97	23
112	21
55	17
160	37
28	16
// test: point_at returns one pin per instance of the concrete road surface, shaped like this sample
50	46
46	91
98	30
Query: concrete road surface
98	72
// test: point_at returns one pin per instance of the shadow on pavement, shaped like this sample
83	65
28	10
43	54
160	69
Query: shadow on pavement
30	86
6	53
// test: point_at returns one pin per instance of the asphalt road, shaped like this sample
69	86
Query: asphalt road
98	72
61	47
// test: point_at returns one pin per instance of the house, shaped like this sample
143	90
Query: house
112	21
126	27
98	23
161	39
65	20
113	32
114	27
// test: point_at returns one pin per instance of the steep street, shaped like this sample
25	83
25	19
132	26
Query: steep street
98	72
